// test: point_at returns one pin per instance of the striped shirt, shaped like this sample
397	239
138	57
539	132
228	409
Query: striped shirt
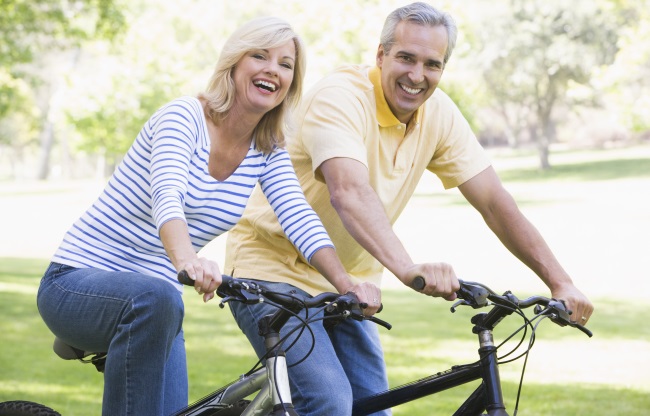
164	176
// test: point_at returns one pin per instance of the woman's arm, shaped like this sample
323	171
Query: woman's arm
205	273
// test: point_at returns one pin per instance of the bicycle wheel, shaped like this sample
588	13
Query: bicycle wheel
25	408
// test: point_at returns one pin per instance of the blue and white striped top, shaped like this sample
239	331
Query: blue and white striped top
164	176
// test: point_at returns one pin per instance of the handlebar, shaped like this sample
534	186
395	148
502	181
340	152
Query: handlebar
252	292
478	295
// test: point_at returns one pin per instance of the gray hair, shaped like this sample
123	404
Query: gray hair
421	14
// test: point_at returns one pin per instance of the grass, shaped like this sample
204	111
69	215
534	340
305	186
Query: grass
584	166
566	374
414	348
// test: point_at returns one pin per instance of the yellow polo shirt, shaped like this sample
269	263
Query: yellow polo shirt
346	115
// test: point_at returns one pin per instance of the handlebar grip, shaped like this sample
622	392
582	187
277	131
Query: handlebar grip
184	278
364	305
418	283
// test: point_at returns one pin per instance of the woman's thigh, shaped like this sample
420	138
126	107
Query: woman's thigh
84	307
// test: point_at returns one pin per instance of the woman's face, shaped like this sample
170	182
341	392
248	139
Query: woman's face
263	77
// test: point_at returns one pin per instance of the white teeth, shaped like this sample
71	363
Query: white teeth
411	91
268	85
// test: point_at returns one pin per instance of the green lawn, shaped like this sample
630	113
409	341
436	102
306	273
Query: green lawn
31	371
593	205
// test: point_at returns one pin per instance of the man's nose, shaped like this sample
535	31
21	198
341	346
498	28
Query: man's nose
416	75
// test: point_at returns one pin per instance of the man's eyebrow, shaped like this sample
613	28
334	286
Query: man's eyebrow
407	53
436	62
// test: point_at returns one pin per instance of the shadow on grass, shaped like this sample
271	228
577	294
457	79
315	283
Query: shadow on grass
586	171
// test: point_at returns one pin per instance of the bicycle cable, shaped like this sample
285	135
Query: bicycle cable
523	370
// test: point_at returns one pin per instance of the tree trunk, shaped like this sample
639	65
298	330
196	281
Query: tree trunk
47	142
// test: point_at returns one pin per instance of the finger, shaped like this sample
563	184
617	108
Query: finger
198	277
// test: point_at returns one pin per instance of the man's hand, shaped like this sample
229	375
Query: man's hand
439	278
576	302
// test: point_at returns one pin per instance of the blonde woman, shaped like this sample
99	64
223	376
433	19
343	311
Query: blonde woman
186	179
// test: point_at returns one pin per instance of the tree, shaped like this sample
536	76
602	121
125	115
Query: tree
535	53
626	82
33	32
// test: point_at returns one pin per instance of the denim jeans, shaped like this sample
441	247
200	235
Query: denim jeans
346	362
137	319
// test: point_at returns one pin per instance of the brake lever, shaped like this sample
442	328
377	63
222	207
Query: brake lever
557	312
471	295
355	312
379	322
457	304
245	293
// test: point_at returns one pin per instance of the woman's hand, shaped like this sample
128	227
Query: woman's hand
206	275
367	293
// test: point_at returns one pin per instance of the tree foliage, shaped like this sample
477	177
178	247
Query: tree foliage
28	28
87	74
534	54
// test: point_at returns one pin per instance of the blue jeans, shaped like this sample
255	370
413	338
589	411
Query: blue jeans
346	363
137	319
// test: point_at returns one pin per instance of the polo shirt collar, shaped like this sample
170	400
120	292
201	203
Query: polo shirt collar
385	116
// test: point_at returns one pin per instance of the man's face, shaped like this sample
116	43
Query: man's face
411	70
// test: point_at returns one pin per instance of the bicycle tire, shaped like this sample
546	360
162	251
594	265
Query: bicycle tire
25	408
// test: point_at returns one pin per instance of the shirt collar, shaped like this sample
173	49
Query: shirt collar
385	116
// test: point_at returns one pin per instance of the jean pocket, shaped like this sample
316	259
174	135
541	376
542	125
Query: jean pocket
56	270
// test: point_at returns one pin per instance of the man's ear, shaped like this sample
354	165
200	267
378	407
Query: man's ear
380	55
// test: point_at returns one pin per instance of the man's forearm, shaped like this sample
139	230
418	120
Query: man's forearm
365	219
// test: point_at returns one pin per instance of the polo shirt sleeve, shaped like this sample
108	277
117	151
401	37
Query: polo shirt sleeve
333	126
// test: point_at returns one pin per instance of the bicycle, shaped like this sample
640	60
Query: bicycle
270	383
267	384
488	395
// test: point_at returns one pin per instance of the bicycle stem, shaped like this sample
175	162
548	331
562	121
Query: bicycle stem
488	362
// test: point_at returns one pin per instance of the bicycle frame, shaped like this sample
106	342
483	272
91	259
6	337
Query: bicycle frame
487	396
271	382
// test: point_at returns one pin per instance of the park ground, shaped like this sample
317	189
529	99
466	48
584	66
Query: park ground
598	227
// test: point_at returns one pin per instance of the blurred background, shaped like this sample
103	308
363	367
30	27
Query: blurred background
556	91
78	78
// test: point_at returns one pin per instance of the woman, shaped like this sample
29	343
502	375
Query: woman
186	179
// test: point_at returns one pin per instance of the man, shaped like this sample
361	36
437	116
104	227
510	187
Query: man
365	136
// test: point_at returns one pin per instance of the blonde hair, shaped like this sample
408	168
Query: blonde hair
260	33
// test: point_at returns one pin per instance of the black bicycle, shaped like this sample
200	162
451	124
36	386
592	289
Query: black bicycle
488	395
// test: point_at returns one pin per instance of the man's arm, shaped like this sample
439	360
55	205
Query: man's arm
364	217
486	193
